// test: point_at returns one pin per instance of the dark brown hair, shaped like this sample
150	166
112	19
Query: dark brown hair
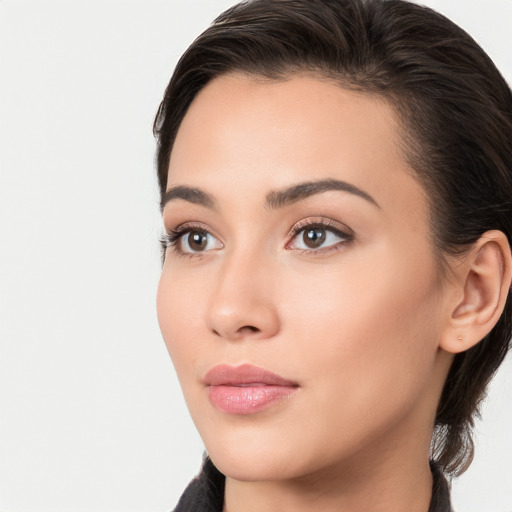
456	116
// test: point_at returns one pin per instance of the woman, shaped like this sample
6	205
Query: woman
336	184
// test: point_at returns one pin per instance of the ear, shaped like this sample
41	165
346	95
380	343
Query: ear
482	281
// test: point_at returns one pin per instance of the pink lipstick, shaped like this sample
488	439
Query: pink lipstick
245	389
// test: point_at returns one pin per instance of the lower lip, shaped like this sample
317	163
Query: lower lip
247	399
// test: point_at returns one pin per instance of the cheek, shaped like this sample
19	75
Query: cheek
369	330
178	306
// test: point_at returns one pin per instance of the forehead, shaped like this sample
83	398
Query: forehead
251	135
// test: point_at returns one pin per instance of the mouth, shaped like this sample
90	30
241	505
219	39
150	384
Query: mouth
246	389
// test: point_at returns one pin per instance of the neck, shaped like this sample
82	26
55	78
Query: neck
374	487
392	476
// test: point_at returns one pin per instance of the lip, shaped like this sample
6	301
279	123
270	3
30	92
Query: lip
246	389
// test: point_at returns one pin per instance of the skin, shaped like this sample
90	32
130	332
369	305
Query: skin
357	322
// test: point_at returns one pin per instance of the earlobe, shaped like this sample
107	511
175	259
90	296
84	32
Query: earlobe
484	278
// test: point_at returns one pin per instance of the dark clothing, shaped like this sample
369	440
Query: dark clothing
206	492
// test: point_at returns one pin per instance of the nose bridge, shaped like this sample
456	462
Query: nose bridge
241	304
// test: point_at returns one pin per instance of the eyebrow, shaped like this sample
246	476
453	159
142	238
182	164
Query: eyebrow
275	199
190	194
281	198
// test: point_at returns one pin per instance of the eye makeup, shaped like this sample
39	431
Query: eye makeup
319	236
314	236
190	239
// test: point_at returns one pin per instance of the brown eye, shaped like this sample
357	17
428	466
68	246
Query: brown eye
314	237
197	240
319	237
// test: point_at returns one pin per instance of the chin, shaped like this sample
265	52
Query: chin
253	468
247	456
264	457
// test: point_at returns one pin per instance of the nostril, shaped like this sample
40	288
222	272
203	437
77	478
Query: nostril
250	328
237	334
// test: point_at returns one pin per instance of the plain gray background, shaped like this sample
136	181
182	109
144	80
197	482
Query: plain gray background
91	415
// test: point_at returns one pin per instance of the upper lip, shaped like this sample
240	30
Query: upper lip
245	374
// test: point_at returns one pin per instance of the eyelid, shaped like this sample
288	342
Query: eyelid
324	222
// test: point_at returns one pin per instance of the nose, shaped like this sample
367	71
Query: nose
242	304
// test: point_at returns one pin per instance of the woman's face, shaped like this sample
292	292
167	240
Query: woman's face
299	244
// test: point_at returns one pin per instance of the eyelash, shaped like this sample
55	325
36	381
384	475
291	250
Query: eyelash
170	239
329	225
